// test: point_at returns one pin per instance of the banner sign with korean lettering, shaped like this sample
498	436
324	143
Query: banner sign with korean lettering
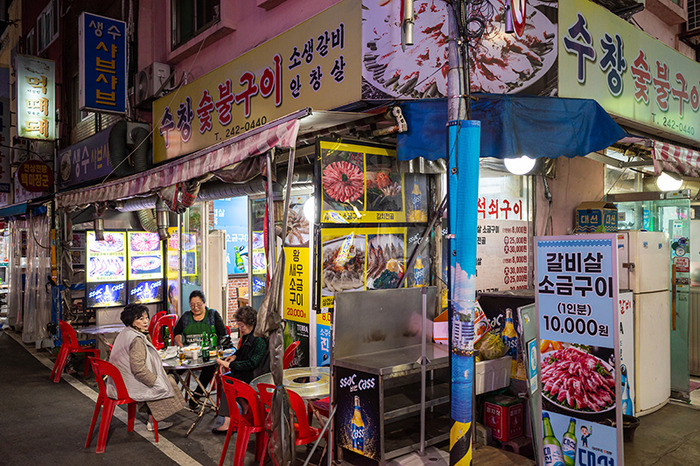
5	150
577	304
361	183
629	73
36	97
315	64
103	79
231	216
85	161
297	285
35	176
502	251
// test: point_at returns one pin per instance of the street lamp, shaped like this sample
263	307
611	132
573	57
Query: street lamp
520	165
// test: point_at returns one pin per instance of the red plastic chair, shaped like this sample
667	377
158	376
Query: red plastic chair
103	369
289	354
156	317
305	434
165	321
266	390
251	423
70	345
228	330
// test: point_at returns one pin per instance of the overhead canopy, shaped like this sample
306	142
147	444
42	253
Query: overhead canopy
14	209
512	126
675	159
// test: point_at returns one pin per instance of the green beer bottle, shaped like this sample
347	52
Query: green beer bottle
550	445
205	347
214	337
568	447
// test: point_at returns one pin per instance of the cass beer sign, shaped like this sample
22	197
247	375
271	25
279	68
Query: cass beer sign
35	176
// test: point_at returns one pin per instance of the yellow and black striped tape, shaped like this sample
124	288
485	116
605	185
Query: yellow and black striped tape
461	444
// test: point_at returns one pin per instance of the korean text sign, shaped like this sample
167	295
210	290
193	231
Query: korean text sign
36	97
296	288
315	64
103	78
577	301
628	72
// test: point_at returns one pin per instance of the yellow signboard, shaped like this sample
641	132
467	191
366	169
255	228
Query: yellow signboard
629	73
315	64
296	285
360	184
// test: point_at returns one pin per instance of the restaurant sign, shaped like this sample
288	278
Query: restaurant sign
86	160
315	64
103	78
630	74
577	301
35	176
36	99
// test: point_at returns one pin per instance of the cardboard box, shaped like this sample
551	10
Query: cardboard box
596	217
441	329
504	415
492	375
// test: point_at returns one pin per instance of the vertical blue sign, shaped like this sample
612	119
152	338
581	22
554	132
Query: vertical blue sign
103	79
231	215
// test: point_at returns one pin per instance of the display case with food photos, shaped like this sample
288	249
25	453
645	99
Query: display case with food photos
145	267
145	292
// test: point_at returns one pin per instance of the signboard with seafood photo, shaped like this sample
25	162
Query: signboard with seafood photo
577	305
145	267
106	260
360	183
520	61
368	258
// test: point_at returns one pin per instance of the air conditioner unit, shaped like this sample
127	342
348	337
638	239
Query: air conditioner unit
693	16
149	81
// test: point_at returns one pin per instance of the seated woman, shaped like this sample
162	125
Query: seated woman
250	361
189	329
142	369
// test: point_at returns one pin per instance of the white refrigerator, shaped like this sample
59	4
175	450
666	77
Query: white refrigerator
644	268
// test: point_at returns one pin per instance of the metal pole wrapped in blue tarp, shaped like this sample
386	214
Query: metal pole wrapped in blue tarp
463	157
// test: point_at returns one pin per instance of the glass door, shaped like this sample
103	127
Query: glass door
670	213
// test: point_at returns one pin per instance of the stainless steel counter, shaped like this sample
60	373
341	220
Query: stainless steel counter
397	361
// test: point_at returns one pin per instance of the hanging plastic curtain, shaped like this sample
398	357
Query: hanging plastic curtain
15	316
37	298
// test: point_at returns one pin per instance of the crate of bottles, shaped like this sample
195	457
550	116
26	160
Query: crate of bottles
504	415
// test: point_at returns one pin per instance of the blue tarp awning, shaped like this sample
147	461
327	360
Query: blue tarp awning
14	209
511	126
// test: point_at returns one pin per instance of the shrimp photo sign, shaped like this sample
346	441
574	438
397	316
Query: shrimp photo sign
577	301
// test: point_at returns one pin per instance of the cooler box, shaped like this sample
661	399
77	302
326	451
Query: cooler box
504	415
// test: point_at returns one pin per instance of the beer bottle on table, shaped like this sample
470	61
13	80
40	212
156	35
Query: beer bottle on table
550	445
568	447
205	347
166	338
214	338
357	429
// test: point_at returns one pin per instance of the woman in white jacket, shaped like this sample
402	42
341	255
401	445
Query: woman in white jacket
142	369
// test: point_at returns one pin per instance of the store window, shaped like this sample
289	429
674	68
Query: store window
190	17
191	244
504	228
47	26
29	43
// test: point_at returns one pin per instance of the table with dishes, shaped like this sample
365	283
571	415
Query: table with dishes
186	362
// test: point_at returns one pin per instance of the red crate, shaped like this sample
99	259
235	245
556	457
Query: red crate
504	415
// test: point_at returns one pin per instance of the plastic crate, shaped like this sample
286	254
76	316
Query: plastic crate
492	375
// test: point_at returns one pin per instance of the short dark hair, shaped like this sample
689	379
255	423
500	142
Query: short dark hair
197	294
246	315
132	312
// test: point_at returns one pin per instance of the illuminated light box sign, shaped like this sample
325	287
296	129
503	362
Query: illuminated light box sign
36	97
106	294
145	292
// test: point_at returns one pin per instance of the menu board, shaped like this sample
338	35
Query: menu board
361	183
106	260
577	304
145	256
367	258
189	254
106	294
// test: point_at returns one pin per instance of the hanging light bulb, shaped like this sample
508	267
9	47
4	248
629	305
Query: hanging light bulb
520	165
666	182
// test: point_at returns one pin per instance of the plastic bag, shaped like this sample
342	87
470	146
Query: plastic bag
491	346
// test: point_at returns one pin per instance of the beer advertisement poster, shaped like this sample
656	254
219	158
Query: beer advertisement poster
579	352
357	424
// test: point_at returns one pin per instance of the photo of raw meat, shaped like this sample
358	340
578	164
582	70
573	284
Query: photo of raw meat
343	180
113	242
577	381
144	242
385	261
343	264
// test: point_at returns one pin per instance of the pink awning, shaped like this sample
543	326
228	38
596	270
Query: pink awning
279	133
675	159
